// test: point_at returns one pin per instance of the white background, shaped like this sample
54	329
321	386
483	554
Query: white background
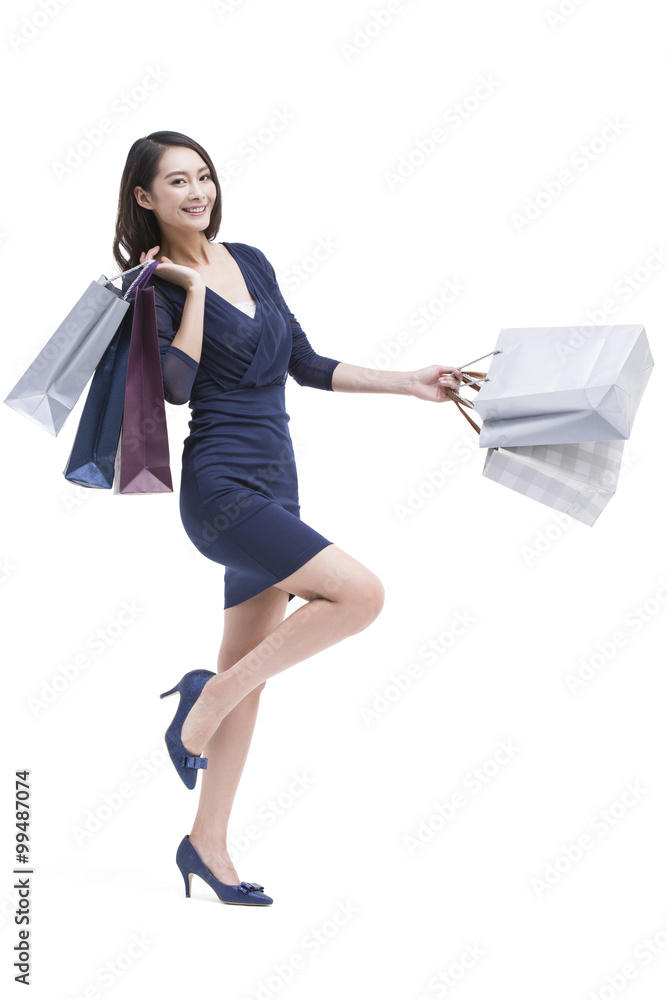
540	593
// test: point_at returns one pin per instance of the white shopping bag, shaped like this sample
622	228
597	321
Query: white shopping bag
576	479
562	385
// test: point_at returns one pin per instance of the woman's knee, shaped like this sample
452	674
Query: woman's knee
256	692
364	597
334	575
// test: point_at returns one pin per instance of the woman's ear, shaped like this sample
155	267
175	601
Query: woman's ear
143	198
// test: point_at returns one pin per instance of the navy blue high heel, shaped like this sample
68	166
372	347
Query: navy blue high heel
189	688
189	862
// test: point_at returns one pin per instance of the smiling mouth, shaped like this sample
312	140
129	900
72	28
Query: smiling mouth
198	210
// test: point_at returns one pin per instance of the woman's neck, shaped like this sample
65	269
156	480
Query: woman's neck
187	249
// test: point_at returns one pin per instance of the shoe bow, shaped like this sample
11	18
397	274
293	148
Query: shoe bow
250	887
188	761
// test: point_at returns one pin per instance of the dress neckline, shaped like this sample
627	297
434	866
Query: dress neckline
251	288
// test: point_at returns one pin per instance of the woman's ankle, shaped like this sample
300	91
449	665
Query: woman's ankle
212	845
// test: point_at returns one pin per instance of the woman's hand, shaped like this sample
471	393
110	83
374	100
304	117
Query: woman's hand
430	383
178	274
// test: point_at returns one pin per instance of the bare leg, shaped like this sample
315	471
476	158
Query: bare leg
245	626
343	598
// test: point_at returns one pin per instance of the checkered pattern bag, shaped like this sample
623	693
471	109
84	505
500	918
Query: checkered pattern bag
576	479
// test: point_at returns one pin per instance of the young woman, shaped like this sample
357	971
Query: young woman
227	342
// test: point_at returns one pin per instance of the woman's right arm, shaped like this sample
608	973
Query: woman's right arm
180	337
189	335
190	332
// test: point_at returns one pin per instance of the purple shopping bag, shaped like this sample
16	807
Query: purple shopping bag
144	444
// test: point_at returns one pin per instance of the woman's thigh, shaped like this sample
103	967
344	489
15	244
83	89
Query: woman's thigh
247	623
334	575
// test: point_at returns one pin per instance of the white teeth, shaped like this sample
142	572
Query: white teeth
195	211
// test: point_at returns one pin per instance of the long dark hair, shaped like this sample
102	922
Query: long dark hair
137	229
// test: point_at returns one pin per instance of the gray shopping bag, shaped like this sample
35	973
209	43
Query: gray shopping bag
48	390
563	385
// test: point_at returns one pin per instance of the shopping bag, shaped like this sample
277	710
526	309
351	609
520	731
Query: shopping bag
92	459
143	454
576	479
48	390
563	385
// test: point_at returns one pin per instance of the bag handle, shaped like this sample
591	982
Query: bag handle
147	268
457	399
472	379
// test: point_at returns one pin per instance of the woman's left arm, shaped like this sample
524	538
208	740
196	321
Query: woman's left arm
425	383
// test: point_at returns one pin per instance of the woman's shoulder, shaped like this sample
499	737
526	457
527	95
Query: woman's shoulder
254	255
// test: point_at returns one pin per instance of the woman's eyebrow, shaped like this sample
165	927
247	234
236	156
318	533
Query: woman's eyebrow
184	172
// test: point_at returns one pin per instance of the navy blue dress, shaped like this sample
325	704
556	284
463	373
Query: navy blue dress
239	499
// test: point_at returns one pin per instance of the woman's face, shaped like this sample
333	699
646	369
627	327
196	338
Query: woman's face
183	192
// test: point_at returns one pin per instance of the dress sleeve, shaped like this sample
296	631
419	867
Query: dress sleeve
305	366
179	370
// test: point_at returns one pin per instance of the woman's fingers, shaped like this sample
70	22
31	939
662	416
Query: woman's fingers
148	256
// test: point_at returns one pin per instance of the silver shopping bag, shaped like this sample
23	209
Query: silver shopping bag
563	385
576	479
48	390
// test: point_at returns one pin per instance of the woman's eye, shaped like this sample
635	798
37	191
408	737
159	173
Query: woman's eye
204	176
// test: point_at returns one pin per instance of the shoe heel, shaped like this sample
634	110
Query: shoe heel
187	877
173	691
